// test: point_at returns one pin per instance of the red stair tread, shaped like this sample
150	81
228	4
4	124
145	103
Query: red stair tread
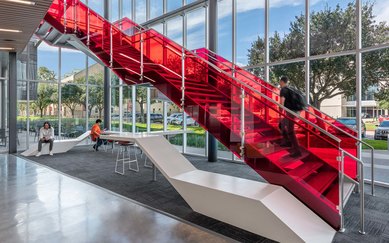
333	194
211	101
255	137
202	94
306	169
323	180
282	159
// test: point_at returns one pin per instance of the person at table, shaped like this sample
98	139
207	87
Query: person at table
46	135
95	135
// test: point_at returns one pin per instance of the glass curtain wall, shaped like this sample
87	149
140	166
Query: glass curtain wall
268	38
61	86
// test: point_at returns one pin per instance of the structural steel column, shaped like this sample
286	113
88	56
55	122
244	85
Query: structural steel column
307	51
267	45
107	80
212	45
358	70
12	95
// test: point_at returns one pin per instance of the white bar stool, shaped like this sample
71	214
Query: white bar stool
147	165
126	151
106	145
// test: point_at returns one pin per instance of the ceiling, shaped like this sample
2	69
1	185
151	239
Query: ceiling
21	17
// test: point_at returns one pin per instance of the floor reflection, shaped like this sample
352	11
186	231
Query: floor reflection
40	205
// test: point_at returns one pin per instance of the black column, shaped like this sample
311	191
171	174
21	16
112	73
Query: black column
107	98
212	45
107	80
12	96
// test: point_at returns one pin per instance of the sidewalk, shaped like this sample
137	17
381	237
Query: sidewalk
378	154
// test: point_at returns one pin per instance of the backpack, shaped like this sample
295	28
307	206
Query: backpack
299	102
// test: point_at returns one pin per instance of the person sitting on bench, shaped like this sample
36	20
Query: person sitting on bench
46	135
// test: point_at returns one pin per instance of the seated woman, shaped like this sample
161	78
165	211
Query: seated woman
46	135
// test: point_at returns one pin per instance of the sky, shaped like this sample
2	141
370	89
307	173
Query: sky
250	25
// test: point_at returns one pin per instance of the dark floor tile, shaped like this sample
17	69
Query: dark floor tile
99	170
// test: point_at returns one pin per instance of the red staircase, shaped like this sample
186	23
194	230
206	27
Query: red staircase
347	136
213	97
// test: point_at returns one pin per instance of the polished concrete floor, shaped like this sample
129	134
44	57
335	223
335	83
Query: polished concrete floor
41	205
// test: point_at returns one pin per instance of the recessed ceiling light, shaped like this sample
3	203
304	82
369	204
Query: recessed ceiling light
6	48
10	30
22	2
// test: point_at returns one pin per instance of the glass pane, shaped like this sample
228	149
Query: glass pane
173	115
196	29
140	11
286	28
156	8
156	113
335	76
223	151
127	8
294	71
250	47
73	65
48	62
96	94
195	141
375	95
141	108
21	123
174	29
115	116
127	108
259	71
332	26
43	107
158	27
97	6
114	10
173	4
374	22
224	34
114	79
73	111
177	141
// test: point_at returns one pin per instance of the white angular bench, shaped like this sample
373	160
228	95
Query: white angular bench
261	208
59	146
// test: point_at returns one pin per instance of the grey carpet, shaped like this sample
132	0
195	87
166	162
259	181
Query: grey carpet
98	168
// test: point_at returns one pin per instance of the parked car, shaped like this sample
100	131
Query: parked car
179	121
172	117
382	131
128	116
155	118
115	117
351	122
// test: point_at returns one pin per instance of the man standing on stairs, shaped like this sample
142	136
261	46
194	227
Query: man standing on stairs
287	124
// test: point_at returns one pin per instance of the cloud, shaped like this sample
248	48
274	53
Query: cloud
381	11
196	39
225	7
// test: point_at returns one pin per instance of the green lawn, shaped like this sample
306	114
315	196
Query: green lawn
377	144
